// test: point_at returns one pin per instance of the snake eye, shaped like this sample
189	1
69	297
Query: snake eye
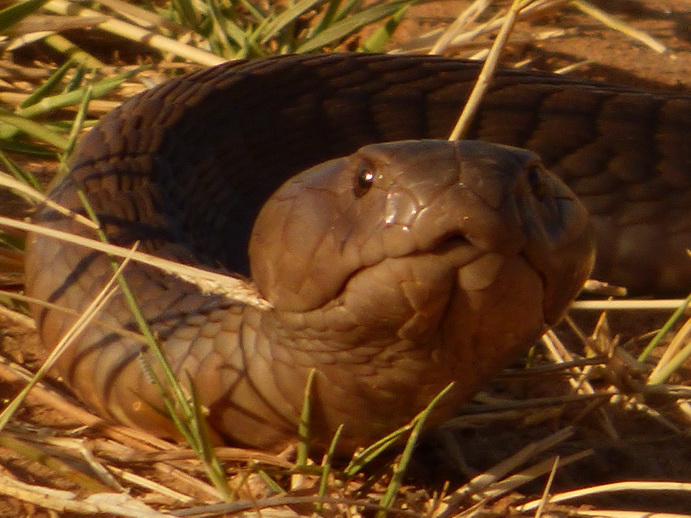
363	181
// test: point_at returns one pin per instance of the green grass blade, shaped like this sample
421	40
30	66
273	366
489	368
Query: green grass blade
350	25
15	243
204	446
378	40
255	12
674	364
56	102
328	18
305	421
25	148
185	13
326	467
370	453
48	85
181	411
32	128
221	42
77	79
232	32
374	450
69	49
402	465
78	122
347	10
17	12
655	341
287	17
19	173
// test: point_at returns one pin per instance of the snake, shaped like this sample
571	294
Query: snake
396	263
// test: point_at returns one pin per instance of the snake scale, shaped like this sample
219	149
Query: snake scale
395	263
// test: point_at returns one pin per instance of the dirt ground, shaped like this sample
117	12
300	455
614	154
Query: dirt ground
572	37
642	446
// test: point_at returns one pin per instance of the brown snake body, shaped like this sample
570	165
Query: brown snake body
392	271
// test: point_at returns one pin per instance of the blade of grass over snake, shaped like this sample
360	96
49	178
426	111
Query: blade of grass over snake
42	303
72	334
183	412
35	196
77	124
203	446
208	281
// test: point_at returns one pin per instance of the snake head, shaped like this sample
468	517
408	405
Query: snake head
460	212
409	265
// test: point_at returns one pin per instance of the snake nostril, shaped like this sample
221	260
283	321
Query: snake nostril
535	180
543	189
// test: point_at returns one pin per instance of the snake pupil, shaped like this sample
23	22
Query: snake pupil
363	182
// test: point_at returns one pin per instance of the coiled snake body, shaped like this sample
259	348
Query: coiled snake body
392	271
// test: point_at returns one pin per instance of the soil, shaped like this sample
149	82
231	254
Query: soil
611	55
640	447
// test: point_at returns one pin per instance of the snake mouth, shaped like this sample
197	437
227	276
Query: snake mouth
453	249
449	241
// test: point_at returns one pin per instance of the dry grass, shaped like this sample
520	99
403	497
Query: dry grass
63	458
